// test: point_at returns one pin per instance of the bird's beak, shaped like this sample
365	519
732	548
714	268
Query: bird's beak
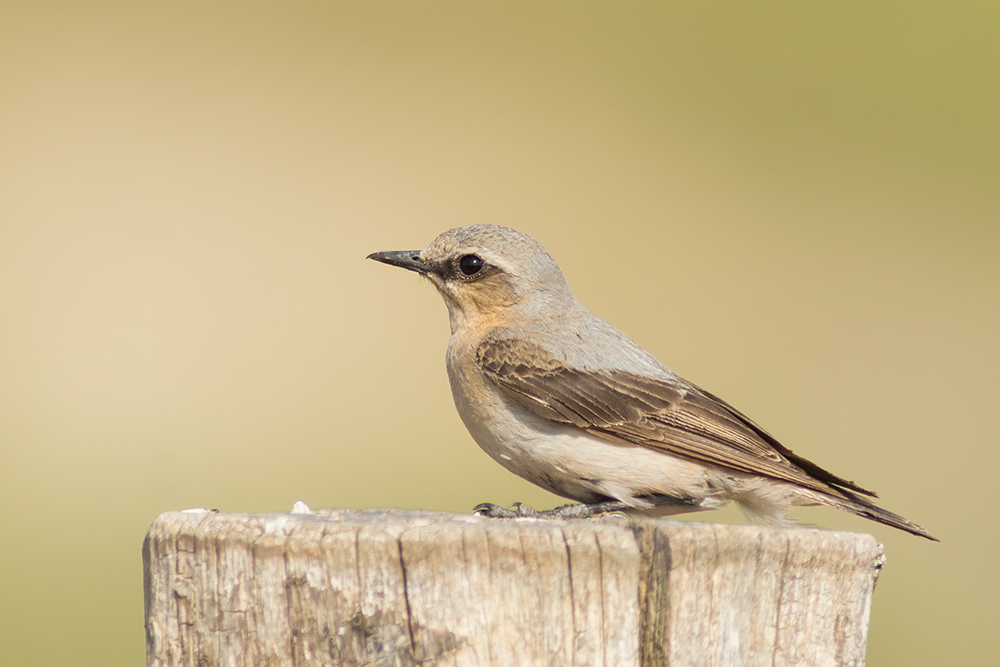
406	259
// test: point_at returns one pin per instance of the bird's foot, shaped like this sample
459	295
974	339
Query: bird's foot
572	511
516	511
581	510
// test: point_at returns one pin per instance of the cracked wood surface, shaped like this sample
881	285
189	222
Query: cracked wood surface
341	587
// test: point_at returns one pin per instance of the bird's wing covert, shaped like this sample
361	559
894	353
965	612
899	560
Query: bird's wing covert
678	418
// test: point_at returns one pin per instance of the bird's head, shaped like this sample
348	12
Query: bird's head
486	272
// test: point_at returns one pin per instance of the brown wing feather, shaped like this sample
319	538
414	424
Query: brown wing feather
678	418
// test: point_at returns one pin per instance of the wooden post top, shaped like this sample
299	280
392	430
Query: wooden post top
392	587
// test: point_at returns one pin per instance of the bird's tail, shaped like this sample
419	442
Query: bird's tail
856	505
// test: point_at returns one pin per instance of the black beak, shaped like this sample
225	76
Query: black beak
406	259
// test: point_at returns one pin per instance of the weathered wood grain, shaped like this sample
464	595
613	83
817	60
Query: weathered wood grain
340	587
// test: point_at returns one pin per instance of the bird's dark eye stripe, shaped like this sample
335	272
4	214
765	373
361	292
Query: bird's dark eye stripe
470	265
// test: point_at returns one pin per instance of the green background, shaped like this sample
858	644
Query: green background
794	205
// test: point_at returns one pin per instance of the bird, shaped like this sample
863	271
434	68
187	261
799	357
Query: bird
563	399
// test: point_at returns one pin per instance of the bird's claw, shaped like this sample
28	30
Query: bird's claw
516	511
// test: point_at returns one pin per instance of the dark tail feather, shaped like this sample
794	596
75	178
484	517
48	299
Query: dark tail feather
861	507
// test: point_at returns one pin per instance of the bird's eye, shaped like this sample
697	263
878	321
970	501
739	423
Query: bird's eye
470	265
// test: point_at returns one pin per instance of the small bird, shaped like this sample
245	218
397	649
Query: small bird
568	402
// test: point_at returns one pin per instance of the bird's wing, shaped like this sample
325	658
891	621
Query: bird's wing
678	418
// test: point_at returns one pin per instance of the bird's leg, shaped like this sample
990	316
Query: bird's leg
579	510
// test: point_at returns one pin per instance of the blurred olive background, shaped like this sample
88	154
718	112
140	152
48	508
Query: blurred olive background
796	206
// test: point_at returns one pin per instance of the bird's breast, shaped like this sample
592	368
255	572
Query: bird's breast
512	437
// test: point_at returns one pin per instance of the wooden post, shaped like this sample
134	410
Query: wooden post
339	587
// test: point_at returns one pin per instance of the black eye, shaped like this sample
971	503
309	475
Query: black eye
470	265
